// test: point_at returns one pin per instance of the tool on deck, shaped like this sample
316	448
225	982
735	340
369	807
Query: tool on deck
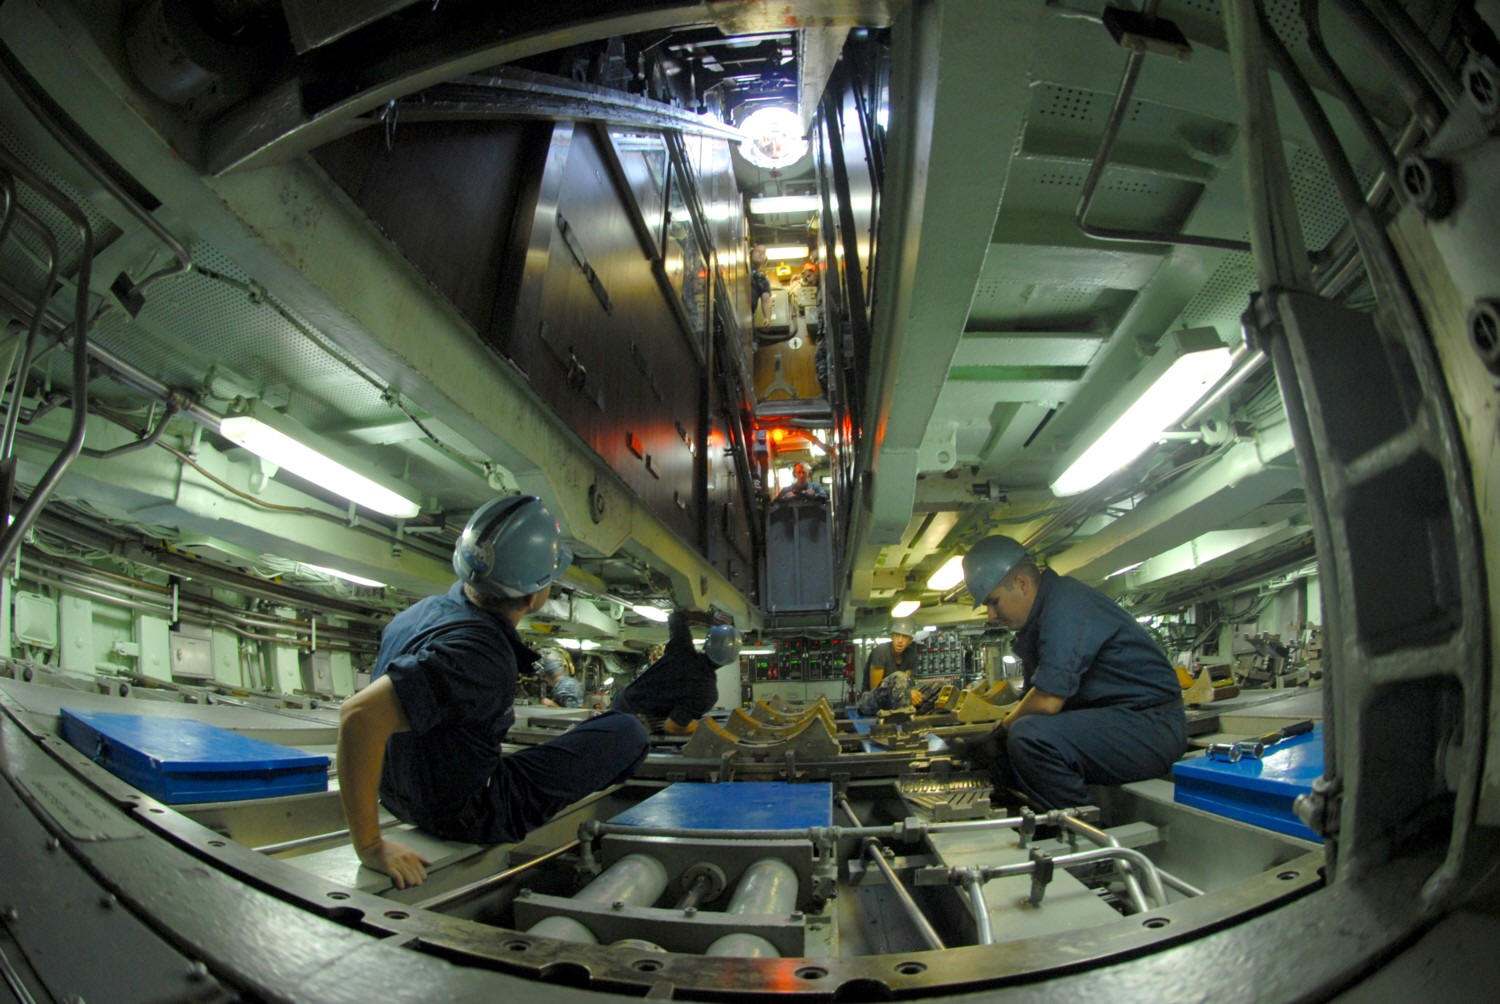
1257	747
1225	751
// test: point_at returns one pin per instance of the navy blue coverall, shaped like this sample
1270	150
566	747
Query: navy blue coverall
453	667
1122	719
682	685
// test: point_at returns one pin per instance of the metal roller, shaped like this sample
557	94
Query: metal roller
634	880
768	887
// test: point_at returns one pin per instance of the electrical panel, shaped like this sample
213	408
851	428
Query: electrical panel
943	654
796	663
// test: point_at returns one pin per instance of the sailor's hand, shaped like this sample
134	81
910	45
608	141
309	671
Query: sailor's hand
404	865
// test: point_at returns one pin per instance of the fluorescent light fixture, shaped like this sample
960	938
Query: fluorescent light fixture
1009	660
1122	571
925	630
276	438
773	137
950	575
609	681
790	251
757	651
569	643
768	205
358	580
587	645
1185	366
651	613
905	608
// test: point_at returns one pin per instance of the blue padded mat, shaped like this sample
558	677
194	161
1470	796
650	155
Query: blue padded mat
1259	792
743	805
178	760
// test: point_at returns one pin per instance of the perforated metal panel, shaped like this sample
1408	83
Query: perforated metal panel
69	243
216	317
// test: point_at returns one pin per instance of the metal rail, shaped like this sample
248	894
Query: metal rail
873	851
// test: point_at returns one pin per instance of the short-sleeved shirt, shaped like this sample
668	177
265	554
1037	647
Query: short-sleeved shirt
682	685
453	668
568	691
1082	646
884	658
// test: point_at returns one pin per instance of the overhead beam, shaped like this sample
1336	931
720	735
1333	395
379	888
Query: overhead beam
951	63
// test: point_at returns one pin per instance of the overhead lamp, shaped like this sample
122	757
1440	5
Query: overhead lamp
569	643
757	651
358	580
278	439
651	613
790	251
1185	366
949	575
905	608
773	137
769	205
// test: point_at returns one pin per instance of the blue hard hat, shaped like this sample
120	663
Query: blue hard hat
723	644
511	547
988	562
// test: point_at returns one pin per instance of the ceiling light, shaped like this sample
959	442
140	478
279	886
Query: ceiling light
773	137
569	643
948	576
757	651
768	205
1186	365
358	580
905	608
651	613
791	251
272	436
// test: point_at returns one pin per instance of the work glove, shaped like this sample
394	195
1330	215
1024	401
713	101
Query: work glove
981	749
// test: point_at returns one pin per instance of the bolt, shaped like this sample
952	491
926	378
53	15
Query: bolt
197	972
795	917
11	914
107	901
1480	87
691	911
53	843
1429	183
1484	332
618	904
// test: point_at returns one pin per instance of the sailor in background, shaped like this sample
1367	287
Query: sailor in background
680	687
564	690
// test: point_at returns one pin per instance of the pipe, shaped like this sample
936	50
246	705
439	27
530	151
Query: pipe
1275	231
874	852
1244	365
634	880
1101	160
1344	90
768	888
974	886
10	542
1415	91
1145	864
25	89
1387	278
490	881
1419	48
1102	839
28	353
